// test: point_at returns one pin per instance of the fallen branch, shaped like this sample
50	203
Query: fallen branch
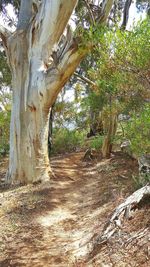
138	235
121	212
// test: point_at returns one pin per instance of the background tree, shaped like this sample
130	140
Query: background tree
121	75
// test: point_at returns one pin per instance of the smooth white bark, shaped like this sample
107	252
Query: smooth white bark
35	87
36	80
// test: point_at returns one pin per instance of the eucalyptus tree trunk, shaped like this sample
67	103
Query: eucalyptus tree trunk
111	131
39	71
50	130
36	80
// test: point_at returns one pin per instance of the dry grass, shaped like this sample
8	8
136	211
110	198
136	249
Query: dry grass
54	224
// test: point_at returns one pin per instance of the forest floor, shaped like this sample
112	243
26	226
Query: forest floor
55	224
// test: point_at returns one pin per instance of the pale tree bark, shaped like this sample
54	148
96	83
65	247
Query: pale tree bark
39	71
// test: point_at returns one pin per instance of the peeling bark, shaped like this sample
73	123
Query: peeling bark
37	78
35	87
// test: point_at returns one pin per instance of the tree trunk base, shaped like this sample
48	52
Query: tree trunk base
40	177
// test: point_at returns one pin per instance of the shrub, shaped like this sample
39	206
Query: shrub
141	180
138	131
4	132
65	140
97	142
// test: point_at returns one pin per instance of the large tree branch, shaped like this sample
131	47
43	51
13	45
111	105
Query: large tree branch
58	76
60	71
45	21
50	23
25	14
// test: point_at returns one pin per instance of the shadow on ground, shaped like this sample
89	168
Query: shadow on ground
53	224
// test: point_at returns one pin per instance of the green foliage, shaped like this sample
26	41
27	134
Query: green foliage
97	142
138	131
67	141
120	71
132	47
5	77
4	132
141	180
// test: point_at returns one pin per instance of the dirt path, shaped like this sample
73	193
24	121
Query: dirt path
52	224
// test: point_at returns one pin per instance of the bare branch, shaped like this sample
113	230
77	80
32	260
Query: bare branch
126	14
66	42
90	11
85	79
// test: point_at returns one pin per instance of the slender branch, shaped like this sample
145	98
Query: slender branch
4	32
90	11
85	79
126	14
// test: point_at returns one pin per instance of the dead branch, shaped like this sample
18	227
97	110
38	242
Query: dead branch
85	79
90	12
122	212
138	235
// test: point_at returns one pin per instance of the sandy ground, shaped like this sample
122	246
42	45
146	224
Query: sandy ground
55	224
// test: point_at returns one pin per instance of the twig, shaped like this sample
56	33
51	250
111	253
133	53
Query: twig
90	11
138	235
